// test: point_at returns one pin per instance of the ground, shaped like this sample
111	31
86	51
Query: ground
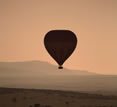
12	97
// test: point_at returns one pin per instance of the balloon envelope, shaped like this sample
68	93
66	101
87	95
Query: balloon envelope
60	44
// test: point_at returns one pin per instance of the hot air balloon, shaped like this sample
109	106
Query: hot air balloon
60	44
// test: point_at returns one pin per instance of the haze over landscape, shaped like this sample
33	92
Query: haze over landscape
41	84
42	75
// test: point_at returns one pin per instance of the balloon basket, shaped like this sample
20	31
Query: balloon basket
60	67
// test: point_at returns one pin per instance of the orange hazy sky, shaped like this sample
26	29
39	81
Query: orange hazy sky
24	23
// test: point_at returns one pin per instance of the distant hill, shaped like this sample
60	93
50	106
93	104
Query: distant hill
42	75
38	67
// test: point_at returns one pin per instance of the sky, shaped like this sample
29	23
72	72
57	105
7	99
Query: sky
24	23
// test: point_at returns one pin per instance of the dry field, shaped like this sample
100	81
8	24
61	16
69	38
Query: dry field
12	97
